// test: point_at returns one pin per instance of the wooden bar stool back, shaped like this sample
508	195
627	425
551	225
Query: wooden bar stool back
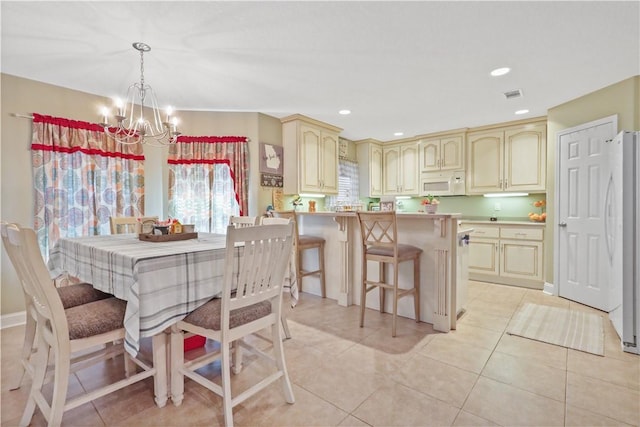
380	244
302	243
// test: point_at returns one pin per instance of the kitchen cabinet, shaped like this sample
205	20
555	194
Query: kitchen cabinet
442	153
509	159
310	156
507	253
369	154
400	169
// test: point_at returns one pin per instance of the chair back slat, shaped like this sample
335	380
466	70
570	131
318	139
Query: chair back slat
268	220
129	224
242	221
293	218
37	283
262	266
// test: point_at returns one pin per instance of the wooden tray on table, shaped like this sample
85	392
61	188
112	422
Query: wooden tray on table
166	237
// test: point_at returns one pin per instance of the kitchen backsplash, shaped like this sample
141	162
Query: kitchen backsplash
475	207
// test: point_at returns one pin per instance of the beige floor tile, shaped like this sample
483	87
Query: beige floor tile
534	351
603	398
267	408
367	359
538	297
351	421
397	405
580	417
406	340
521	373
320	339
620	372
195	410
485	320
479	337
344	387
508	405
470	420
119	405
437	379
461	355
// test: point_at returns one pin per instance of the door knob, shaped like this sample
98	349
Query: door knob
562	224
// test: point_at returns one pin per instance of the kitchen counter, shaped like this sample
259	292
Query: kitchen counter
523	222
436	234
420	215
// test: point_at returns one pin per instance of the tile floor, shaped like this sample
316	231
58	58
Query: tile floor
344	375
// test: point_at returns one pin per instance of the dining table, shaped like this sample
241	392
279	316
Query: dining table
161	282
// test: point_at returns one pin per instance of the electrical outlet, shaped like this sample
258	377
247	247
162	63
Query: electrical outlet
497	207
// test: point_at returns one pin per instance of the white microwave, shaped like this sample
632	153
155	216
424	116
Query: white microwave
442	183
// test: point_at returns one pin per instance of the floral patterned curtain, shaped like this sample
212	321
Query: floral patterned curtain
208	180
81	178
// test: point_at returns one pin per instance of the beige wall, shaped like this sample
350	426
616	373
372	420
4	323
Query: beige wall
25	96
623	99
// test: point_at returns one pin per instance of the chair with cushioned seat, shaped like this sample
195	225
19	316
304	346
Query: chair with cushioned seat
379	235
302	243
251	301
70	296
86	329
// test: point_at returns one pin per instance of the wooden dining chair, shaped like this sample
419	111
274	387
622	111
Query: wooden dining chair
242	221
70	296
89	329
302	243
379	235
254	305
129	224
290	276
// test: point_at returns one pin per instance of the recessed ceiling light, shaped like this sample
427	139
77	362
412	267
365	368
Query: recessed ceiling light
398	134
500	71
344	112
522	111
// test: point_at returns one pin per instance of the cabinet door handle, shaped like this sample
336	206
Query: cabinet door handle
500	183
506	183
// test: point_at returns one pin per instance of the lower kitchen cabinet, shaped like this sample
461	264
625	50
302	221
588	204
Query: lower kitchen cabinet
511	254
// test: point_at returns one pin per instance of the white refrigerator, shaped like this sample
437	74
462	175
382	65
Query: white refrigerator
622	231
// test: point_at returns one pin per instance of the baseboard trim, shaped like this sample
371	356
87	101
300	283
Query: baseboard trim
13	319
549	288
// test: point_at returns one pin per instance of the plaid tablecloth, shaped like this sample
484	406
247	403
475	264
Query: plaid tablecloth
161	282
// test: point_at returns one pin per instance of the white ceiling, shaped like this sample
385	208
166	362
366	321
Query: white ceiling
415	67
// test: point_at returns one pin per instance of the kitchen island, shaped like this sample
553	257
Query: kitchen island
436	234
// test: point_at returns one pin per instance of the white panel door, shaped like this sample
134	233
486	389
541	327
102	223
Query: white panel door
582	260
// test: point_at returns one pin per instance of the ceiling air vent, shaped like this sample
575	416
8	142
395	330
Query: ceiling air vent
513	94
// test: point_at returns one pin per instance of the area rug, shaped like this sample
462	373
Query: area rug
567	328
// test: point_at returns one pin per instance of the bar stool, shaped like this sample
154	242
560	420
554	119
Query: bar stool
302	243
380	243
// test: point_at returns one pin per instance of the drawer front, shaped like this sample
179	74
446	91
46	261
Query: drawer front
522	233
484	231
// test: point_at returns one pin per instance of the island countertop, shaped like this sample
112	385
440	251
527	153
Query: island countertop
400	214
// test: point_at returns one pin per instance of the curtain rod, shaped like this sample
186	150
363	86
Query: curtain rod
22	116
28	116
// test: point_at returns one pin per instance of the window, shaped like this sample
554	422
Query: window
348	184
203	195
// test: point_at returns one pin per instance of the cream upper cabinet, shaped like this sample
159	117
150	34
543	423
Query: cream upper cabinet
369	154
310	156
400	169
442	153
509	159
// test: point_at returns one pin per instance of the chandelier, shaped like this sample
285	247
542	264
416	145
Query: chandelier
133	127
